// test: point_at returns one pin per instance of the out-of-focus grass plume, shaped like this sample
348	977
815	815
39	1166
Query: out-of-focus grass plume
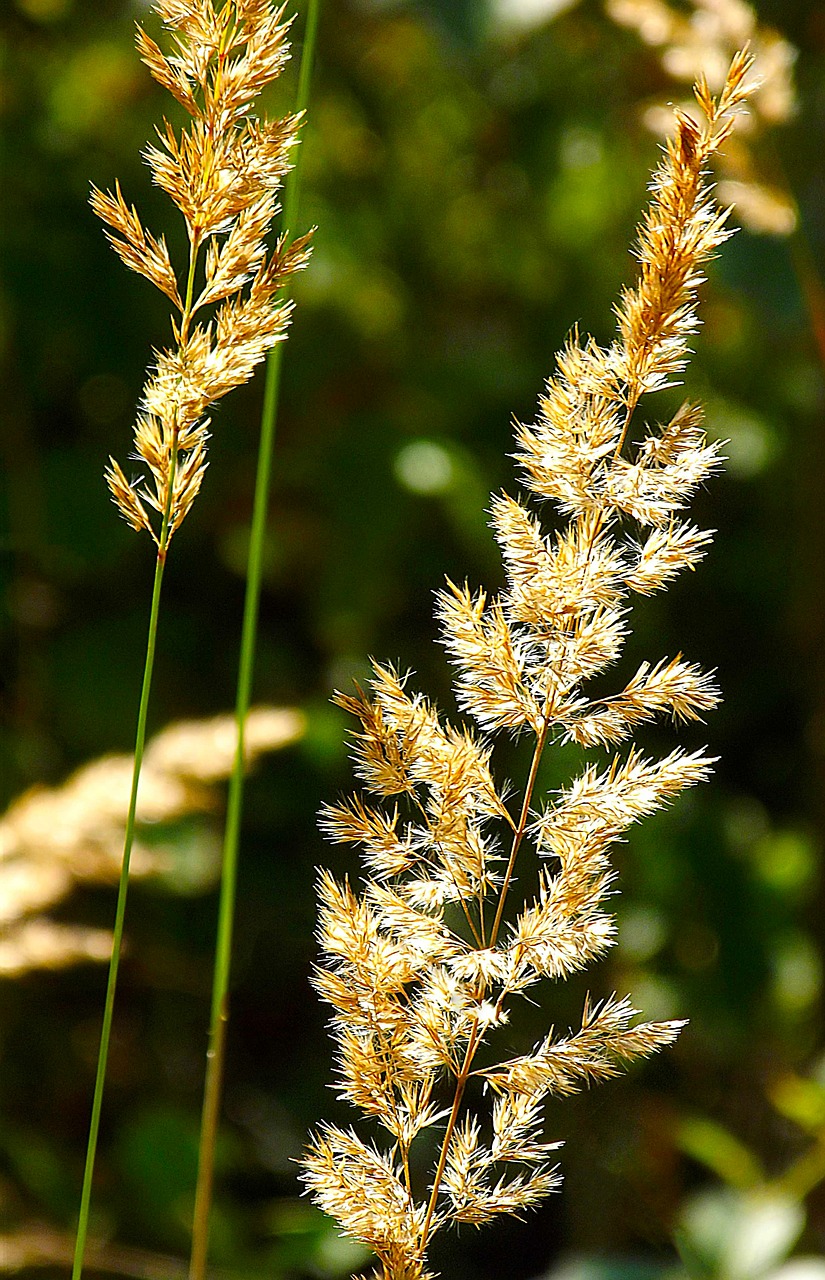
54	838
700	41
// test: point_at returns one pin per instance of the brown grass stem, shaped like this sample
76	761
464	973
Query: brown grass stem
472	1045
452	1121
518	835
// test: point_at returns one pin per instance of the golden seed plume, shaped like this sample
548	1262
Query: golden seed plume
422	965
224	173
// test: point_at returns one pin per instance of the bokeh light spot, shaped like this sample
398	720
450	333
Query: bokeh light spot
425	467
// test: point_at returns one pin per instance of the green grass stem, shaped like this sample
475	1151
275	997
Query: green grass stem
215	1056
120	912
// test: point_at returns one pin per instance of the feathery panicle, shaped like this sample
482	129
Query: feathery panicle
223	173
420	967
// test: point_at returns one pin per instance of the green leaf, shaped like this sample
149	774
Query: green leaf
719	1150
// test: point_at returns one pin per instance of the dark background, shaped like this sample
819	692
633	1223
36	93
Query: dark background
475	191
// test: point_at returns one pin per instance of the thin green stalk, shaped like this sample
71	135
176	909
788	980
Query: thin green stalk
226	908
123	888
108	1010
129	837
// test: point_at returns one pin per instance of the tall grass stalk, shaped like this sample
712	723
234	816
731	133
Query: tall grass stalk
216	1052
117	938
223	172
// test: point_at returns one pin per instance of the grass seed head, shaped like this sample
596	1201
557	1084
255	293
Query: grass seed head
422	965
223	171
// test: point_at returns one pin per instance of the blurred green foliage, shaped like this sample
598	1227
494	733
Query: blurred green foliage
475	188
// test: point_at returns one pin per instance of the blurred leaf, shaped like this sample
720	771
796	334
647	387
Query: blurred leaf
39	1167
157	1153
788	862
92	84
325	741
719	1150
750	442
189	852
797	972
800	1099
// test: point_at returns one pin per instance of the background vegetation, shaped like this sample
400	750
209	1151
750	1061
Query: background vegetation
475	183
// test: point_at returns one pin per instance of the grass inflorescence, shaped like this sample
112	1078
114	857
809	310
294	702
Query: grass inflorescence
224	174
422	965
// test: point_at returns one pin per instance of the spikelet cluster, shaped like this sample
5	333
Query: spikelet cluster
700	41
422	966
224	173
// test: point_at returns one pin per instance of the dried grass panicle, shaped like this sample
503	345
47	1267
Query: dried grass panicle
224	173
421	966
